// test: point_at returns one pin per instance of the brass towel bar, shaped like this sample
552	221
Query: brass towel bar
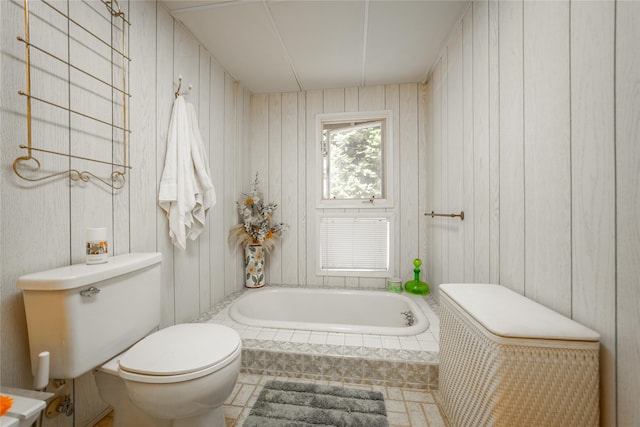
451	215
119	14
86	73
79	113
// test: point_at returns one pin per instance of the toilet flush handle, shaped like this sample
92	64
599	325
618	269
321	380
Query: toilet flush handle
90	292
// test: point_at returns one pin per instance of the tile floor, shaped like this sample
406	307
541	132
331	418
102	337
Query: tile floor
406	407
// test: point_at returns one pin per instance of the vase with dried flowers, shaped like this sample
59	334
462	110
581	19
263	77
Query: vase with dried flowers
257	234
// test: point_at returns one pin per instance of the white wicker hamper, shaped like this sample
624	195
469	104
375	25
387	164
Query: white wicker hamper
506	360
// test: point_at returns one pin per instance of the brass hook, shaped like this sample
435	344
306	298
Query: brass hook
179	86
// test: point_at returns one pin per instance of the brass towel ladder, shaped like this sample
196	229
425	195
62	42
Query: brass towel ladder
117	178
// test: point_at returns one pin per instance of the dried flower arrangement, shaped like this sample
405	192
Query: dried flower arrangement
257	226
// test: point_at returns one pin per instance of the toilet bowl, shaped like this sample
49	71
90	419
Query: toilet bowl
179	376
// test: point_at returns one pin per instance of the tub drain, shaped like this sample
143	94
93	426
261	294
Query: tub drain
409	318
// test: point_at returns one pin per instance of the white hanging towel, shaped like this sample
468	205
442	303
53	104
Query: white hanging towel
206	197
183	190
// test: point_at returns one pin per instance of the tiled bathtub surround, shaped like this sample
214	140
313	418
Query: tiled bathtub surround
357	358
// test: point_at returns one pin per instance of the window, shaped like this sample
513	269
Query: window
354	192
354	245
355	160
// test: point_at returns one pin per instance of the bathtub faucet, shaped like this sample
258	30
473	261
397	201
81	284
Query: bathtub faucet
409	318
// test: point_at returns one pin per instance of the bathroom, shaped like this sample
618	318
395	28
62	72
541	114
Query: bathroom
533	134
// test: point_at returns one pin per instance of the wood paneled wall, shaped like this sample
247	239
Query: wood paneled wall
536	106
530	126
43	225
283	133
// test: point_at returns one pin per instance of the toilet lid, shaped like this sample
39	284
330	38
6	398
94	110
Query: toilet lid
181	349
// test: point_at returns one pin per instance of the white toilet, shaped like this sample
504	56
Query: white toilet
86	315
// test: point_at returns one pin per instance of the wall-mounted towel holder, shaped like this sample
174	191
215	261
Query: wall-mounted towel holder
27	165
451	215
178	93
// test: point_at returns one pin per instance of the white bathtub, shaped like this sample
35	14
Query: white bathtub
331	310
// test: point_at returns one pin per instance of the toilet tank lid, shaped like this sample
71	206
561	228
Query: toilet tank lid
78	275
181	349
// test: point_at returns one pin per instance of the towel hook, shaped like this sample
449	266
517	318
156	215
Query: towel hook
179	86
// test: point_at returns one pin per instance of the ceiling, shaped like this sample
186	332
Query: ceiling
287	46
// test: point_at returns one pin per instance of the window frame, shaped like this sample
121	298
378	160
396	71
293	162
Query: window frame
388	160
359	208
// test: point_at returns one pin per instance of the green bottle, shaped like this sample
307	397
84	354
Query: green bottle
415	286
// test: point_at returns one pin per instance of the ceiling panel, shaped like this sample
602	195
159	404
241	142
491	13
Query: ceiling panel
324	40
291	45
242	39
405	38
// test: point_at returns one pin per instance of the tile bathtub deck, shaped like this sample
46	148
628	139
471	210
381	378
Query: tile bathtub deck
410	361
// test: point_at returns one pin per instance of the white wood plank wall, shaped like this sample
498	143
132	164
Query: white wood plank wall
283	131
43	226
550	166
530	124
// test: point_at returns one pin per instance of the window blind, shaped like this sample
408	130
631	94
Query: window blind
348	243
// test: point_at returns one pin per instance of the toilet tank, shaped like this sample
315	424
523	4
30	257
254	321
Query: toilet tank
85	314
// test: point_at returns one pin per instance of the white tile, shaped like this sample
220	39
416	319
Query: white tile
353	340
251	332
372	341
395	393
300	336
283	335
227	322
267	334
433	415
429	346
245	378
232	396
391	342
243	395
239	327
318	338
425	336
398	419
417	396
394	405
335	338
409	343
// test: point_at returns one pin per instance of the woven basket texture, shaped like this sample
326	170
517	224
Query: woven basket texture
485	383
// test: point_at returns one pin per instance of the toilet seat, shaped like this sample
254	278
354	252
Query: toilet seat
180	353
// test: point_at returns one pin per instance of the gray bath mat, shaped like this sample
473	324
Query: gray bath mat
290	404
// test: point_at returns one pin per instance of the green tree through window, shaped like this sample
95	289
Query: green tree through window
353	164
